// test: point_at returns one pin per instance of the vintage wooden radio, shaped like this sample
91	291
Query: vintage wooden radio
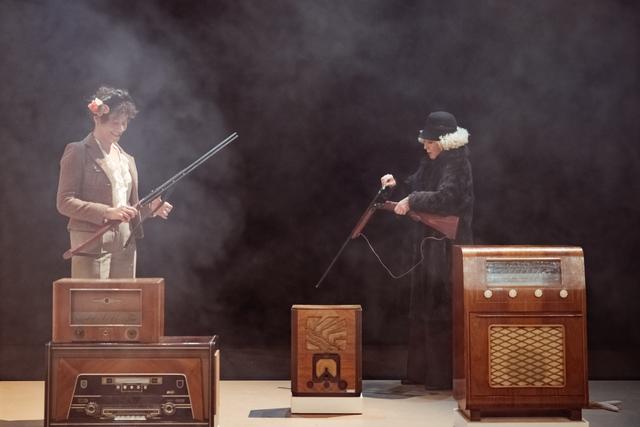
174	382
111	310
326	349
519	331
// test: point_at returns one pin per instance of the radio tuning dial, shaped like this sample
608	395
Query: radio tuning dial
169	408
564	293
513	293
488	294
537	293
91	408
131	334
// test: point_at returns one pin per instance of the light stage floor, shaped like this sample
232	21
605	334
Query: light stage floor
386	403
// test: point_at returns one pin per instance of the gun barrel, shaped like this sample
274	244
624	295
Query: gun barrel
184	172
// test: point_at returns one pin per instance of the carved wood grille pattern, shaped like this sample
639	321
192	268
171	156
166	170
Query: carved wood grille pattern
526	356
326	333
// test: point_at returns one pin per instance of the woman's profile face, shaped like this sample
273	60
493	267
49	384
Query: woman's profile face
433	148
112	129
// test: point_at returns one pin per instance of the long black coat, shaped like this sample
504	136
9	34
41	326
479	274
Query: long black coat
442	186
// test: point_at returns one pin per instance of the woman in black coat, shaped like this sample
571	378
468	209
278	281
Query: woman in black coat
442	185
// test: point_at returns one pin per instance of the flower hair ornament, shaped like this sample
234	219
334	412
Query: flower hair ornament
97	107
454	140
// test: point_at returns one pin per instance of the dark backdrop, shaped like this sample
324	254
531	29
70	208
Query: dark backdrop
327	96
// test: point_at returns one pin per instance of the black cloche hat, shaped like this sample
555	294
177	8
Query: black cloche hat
438	123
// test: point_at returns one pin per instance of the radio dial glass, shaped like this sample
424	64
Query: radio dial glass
523	272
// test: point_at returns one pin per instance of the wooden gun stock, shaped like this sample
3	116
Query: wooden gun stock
362	222
447	225
98	233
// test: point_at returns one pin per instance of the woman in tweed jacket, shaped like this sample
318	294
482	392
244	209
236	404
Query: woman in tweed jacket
99	182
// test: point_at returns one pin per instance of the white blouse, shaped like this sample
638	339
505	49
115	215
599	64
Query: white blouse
119	168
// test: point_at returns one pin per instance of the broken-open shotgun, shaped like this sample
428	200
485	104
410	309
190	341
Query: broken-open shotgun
447	225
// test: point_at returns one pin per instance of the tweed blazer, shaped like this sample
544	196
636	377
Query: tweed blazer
85	188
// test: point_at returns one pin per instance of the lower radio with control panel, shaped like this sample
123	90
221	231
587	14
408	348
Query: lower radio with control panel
131	397
174	382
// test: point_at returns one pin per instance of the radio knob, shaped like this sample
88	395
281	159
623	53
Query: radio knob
513	293
91	408
564	293
169	408
537	293
488	294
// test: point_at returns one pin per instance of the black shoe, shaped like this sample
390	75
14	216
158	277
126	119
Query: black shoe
407	381
436	387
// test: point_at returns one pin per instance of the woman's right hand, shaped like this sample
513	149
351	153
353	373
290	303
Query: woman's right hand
388	181
402	207
121	213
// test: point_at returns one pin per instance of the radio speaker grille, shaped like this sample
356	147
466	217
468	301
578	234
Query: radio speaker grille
526	356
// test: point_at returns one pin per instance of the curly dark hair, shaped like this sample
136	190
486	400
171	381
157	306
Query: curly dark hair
118	100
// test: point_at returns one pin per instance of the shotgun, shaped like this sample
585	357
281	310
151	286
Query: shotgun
155	193
447	225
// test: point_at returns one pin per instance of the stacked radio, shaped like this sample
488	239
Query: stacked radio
110	363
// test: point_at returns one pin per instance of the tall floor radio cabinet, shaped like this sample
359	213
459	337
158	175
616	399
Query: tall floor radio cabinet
519	324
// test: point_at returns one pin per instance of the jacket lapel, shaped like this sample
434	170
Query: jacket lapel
96	155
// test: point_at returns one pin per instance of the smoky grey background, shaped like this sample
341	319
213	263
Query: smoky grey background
327	96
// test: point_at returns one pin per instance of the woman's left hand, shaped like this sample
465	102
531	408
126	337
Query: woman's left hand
160	208
402	207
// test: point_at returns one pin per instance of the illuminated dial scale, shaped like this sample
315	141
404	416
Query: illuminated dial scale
522	275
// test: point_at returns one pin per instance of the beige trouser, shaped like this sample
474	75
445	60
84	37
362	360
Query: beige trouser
107	258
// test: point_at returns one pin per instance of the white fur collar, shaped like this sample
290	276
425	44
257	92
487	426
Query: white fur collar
454	140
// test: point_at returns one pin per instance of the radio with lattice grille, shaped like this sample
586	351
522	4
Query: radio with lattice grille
519	331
